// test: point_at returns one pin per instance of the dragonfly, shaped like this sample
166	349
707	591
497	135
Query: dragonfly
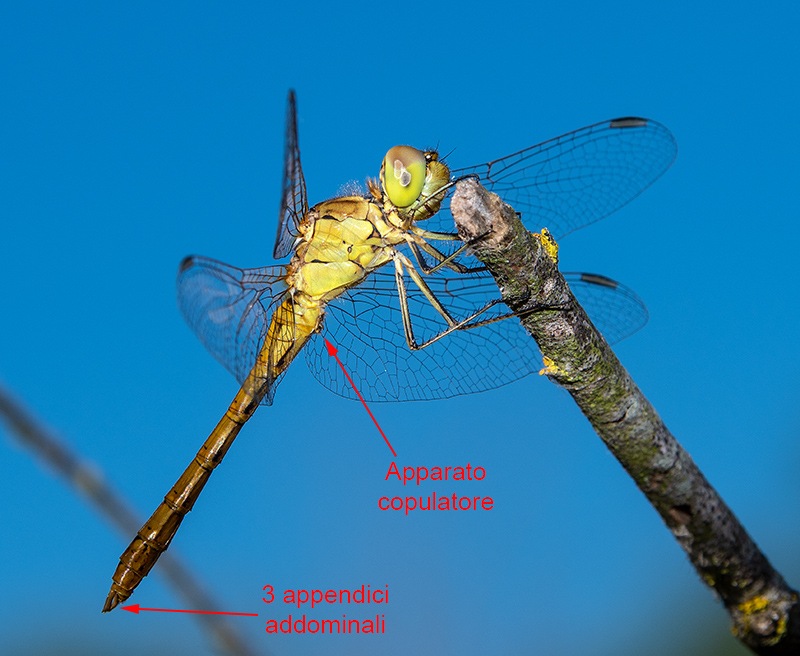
382	275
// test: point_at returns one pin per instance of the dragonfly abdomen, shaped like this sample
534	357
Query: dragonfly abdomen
156	534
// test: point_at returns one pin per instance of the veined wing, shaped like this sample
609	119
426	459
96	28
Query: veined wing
569	182
365	325
615	310
294	202
229	309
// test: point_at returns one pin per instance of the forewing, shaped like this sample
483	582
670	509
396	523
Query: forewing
229	308
569	182
294	202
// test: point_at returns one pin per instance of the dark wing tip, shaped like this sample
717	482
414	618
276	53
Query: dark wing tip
186	263
597	279
628	122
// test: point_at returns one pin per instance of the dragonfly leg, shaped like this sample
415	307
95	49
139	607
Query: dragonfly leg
403	263
443	260
400	263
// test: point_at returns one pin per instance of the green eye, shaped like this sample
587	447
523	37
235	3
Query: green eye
404	171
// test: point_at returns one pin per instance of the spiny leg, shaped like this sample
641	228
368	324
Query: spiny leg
421	242
472	321
401	263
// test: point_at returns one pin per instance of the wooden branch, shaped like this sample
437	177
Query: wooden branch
764	610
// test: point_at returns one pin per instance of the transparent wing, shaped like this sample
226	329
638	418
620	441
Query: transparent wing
366	326
569	182
294	202
615	310
229	309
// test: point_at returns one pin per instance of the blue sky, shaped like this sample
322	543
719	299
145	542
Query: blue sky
132	136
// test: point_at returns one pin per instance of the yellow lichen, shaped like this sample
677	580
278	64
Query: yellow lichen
780	630
550	367
754	605
549	244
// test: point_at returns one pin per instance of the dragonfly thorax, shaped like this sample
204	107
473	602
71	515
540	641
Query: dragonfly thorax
342	240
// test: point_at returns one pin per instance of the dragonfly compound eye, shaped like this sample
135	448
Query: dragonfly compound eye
404	170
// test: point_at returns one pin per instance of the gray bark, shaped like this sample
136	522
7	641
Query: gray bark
764	610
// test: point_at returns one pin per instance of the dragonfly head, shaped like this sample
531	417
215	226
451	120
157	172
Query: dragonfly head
413	181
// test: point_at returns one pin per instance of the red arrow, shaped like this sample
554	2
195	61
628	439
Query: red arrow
332	351
135	608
